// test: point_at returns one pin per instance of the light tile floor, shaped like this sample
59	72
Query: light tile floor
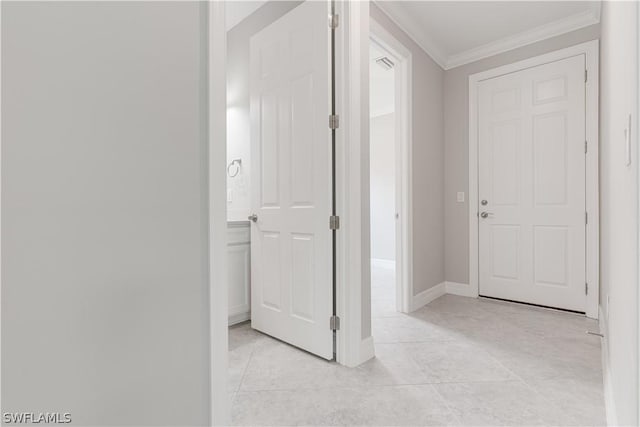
456	361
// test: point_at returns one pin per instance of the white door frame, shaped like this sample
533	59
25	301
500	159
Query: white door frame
217	214
590	50
353	344
403	170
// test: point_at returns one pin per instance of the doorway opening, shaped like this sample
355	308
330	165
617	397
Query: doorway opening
382	183
389	173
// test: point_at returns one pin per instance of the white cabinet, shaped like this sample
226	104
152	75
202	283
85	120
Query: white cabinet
239	271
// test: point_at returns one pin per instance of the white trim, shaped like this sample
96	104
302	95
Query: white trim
412	30
416	32
352	163
461	289
590	50
403	167
382	112
426	296
543	32
383	263
367	349
609	401
234	319
217	211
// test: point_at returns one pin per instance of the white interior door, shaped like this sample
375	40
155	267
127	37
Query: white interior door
291	252
532	185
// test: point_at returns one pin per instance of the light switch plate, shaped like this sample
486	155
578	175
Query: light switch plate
460	196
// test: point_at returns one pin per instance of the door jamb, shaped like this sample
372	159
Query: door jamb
216	191
403	168
354	344
591	51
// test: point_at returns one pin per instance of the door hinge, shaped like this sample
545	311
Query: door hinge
334	323
334	222
334	20
334	121
586	218
585	76
586	289
586	144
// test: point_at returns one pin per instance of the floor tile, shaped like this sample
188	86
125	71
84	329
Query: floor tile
455	361
581	401
406	329
362	406
506	403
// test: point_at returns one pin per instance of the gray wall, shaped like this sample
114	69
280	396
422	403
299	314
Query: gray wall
619	206
456	124
427	161
382	191
104	227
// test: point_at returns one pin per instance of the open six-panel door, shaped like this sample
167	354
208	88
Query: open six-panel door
291	180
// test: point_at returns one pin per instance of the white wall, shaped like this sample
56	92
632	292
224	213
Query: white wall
238	120
619	208
382	190
104	211
456	122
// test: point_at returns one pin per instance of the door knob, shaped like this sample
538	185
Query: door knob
486	214
253	217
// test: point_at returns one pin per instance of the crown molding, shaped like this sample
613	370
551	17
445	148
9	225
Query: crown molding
413	30
543	32
416	33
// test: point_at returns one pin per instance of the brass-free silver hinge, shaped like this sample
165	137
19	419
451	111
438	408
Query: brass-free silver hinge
334	323
334	20
334	222
334	121
585	147
586	218
586	289
585	76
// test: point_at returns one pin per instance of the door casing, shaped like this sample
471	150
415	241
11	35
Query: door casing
591	51
403	168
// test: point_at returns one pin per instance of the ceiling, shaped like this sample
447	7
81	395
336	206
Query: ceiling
454	33
237	10
381	84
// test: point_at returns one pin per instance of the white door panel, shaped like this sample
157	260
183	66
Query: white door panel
291	248
532	176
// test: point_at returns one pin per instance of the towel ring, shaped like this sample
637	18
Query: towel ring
233	172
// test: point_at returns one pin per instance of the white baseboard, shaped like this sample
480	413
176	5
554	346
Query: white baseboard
239	318
461	289
609	401
425	297
367	349
383	263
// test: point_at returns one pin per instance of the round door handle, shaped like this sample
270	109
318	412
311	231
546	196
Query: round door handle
253	218
486	214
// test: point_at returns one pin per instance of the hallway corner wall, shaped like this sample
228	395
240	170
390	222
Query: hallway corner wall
619	209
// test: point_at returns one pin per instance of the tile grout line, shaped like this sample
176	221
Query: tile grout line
444	401
244	371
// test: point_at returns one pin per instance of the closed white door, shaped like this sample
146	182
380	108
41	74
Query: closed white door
291	251
532	185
